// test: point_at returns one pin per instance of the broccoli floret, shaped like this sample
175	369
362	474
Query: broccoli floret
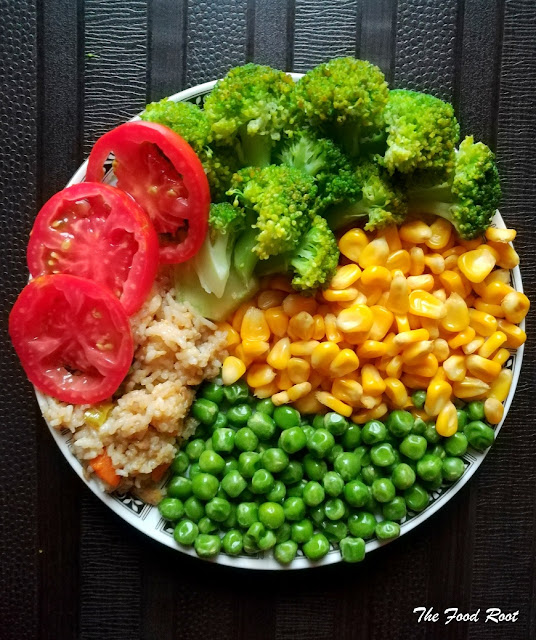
249	110
422	133
344	98
322	159
381	199
470	198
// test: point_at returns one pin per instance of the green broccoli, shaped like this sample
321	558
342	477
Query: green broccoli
249	110
422	133
381	199
470	198
345	98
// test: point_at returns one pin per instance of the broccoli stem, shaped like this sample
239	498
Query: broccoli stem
245	258
255	150
435	200
343	214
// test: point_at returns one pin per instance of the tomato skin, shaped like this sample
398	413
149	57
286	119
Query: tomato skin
73	338
127	143
96	231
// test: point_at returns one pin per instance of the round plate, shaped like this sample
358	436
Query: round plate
146	518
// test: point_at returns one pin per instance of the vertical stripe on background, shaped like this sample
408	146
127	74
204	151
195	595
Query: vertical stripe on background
377	34
271	44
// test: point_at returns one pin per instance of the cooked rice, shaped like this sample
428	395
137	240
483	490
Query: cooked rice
176	349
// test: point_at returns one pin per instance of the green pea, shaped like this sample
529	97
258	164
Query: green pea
277	492
247	495
335	423
352	549
194	449
205	486
395	509
206	525
462	419
317	547
250	544
286	417
186	532
479	435
231	464
388	469
272	515
400	423
369	474
171	508
283	533
262	481
246	440
267	541
194	509
236	392
179	487
233	542
292	439
362	524
475	410
437	450
429	467
265	406
387	530
296	490
302	531
334	509
293	473
211	462
347	465
320	442
248	463
317	515
285	552
351	438
416	498
403	476
433	485
275	459
220	422
383	490
318	421
231	521
334	453
314	469
246	514
194	470
308	430
413	446
383	455
294	508
239	414
262	426
431	434
204	410
419	427
212	391
207	546
363	454
334	530
356	493
208	444
256	531
313	494
418	398
223	440
452	468
373	432
218	509
180	463
333	484
456	445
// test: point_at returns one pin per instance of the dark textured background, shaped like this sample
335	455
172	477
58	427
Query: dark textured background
69	568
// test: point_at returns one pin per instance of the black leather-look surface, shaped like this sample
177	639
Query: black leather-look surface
69	568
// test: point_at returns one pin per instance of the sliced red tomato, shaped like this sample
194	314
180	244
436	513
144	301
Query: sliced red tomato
163	174
96	231
73	338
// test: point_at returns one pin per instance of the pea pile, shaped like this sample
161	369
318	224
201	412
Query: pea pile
257	477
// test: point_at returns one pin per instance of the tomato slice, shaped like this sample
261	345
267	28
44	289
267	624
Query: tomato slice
163	174
96	231
73	338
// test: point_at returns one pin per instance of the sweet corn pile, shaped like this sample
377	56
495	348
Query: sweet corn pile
409	308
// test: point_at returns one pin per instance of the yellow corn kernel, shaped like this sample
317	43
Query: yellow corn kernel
494	310
453	251
298	370
440	294
376	276
500	235
303	347
232	370
499	275
431	326
447	420
440	376
451	262
416	255
422	303
454	368
255	348
515	306
508	257
392	348
372	349
309	405
315	378
491	345
390	233
398	300
414	322
493	410
396	392
260	375
277	320
332	333
495	291
471	244
394	367
415	232
476	265
345	276
369	402
501	385
426	368
483	323
400	261
319	330
233	337
294	303
267	391
281	283
408	337
416	351
299	390
452	282
254	325
239	314
333	403
371	380
352	244
414	381
242	355
457	314
470	388
340	295
283	381
441	233
279	355
344	363
441	349
482	368
501	356
473	346
437	395
402	323
383	319
347	390
461	338
357	318
515	336
280	398
425	282
363	417
301	326
375	253
435	262
270	298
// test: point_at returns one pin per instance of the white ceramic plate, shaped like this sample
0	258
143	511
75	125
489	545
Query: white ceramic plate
146	518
